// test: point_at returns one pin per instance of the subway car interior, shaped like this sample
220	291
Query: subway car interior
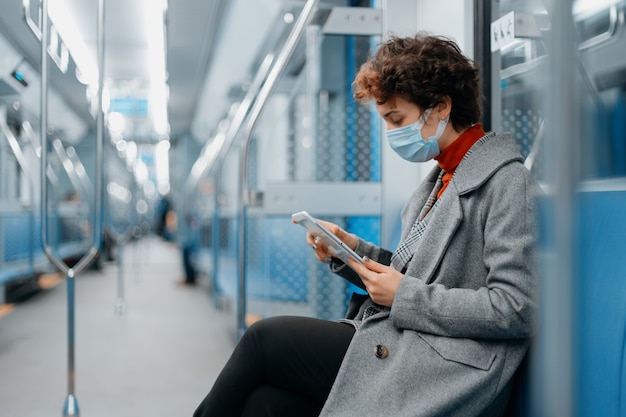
152	153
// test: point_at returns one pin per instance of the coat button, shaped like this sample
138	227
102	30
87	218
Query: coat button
381	351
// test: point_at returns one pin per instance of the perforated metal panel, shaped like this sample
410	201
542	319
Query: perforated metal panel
311	131
282	274
524	124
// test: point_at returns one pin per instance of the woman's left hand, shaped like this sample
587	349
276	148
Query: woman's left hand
381	281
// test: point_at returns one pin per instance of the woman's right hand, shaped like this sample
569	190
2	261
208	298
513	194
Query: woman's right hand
321	251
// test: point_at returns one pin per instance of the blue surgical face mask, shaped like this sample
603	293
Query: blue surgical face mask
407	141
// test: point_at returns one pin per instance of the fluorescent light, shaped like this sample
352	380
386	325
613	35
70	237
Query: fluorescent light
84	59
119	192
141	171
162	165
86	65
116	123
155	25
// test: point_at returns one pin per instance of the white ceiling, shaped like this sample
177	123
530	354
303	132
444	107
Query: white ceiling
192	27
241	40
211	45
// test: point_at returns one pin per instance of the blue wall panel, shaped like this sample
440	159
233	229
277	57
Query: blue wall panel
601	306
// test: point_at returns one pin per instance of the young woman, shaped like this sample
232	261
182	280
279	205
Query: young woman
448	315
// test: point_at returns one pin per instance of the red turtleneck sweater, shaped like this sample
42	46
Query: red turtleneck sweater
451	157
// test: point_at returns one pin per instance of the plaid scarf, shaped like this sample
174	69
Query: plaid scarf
406	248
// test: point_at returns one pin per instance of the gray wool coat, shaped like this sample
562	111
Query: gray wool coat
463	313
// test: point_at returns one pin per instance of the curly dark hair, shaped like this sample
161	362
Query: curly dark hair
423	70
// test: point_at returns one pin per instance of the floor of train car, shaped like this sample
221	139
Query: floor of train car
158	359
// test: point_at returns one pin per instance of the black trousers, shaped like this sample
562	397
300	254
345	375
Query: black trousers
282	366
189	268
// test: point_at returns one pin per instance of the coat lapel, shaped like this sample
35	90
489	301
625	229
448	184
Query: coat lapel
437	236
420	196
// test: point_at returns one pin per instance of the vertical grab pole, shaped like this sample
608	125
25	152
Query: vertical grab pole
120	302
307	14
99	189
70	407
556	348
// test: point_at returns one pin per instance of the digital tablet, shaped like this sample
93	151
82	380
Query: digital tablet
333	243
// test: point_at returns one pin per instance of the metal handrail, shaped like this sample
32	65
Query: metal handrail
70	407
68	165
32	138
15	146
217	148
221	143
307	14
79	170
27	128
